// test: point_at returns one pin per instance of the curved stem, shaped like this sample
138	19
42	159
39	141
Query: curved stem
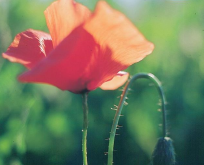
120	106
85	127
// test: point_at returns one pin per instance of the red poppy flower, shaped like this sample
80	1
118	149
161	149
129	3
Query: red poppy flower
83	51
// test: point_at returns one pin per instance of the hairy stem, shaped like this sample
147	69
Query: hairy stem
120	106
85	127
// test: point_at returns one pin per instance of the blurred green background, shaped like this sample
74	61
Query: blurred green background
41	125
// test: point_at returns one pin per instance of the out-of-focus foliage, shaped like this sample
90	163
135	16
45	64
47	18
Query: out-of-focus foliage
39	124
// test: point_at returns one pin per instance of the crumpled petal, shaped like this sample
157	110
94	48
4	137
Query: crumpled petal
29	47
116	81
121	44
63	16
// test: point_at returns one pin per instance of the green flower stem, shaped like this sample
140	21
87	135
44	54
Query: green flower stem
120	106
85	127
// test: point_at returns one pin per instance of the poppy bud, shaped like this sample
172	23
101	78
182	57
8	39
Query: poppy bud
164	152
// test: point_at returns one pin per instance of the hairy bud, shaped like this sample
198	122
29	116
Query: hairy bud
164	152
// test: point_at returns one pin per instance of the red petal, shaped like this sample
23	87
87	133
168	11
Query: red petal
116	82
63	16
29	47
68	65
121	43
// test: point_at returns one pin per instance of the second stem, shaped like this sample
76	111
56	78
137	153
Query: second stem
85	127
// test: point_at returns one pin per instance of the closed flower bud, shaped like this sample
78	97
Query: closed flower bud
164	152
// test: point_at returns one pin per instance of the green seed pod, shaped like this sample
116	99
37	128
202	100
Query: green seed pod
164	152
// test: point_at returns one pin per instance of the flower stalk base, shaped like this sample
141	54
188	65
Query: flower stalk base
85	127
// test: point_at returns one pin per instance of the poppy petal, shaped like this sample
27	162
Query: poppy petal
119	39
116	82
63	16
92	53
29	47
